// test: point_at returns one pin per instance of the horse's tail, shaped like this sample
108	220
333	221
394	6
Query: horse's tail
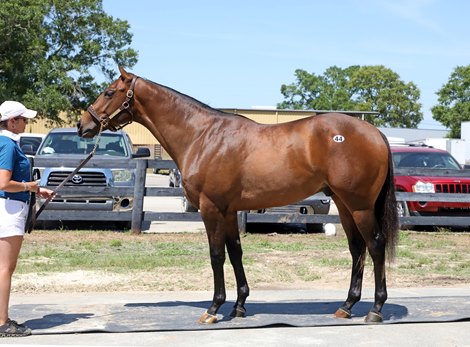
386	208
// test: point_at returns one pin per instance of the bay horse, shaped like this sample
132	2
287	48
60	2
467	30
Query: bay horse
230	163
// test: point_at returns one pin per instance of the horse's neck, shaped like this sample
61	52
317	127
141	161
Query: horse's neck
165	114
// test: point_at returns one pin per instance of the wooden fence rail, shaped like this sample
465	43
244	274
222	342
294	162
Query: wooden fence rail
139	191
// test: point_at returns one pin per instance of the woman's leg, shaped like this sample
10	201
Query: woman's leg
9	250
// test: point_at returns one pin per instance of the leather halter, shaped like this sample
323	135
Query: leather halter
125	106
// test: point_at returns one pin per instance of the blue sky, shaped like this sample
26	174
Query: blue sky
237	54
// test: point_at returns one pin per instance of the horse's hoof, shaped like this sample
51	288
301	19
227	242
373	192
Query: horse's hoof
238	312
374	317
207	318
343	313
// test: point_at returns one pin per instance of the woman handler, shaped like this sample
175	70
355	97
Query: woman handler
15	188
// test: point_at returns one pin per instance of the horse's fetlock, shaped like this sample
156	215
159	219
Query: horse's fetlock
381	296
354	297
244	291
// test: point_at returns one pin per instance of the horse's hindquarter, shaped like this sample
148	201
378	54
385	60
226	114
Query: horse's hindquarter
357	158
291	161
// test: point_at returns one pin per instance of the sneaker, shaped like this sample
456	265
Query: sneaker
12	329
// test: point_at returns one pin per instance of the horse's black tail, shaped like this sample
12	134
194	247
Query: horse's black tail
386	208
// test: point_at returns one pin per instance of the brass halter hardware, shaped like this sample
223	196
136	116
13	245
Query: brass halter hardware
104	122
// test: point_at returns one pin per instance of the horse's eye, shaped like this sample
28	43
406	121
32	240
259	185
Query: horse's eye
109	93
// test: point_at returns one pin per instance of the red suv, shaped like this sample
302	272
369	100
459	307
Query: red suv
408	156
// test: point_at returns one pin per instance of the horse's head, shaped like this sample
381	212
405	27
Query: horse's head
113	108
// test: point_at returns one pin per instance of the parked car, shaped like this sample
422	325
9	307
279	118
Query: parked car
408	156
30	142
65	143
307	206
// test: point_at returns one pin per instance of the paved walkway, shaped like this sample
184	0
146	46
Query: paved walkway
403	335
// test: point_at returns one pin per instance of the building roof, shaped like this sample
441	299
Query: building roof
414	135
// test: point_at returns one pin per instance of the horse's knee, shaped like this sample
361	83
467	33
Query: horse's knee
217	258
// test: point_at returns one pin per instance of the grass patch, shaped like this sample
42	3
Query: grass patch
182	261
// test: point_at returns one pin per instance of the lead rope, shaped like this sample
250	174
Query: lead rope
82	164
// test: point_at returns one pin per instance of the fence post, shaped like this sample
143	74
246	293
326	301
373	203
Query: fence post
242	216
139	192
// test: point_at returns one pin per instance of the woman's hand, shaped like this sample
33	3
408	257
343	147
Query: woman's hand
45	193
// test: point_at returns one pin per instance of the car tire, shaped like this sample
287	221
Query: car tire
321	207
125	224
314	227
187	207
39	224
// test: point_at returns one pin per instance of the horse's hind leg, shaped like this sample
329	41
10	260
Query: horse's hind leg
375	242
357	248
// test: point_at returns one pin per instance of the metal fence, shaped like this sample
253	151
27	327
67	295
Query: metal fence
138	215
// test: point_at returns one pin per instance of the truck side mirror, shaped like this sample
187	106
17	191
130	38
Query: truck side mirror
142	152
28	149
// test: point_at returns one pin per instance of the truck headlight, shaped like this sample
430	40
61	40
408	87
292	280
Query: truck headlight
423	187
121	175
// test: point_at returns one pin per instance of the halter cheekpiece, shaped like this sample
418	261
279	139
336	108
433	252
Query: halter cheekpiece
125	106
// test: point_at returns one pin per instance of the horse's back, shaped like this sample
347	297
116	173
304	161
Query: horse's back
324	142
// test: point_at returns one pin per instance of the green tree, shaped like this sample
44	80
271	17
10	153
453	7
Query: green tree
454	101
51	48
357	88
377	88
327	92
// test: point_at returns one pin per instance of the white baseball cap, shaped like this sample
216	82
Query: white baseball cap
12	109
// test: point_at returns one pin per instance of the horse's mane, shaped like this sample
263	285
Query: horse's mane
195	102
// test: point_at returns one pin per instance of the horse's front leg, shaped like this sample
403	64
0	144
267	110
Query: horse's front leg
234	249
214	222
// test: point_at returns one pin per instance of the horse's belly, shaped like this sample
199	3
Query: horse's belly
275	193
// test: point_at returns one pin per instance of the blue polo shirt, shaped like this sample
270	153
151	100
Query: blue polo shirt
13	159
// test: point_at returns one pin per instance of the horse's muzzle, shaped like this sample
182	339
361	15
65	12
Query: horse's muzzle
86	131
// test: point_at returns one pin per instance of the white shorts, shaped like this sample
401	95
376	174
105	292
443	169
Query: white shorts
13	214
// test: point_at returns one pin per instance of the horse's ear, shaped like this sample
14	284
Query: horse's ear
124	73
